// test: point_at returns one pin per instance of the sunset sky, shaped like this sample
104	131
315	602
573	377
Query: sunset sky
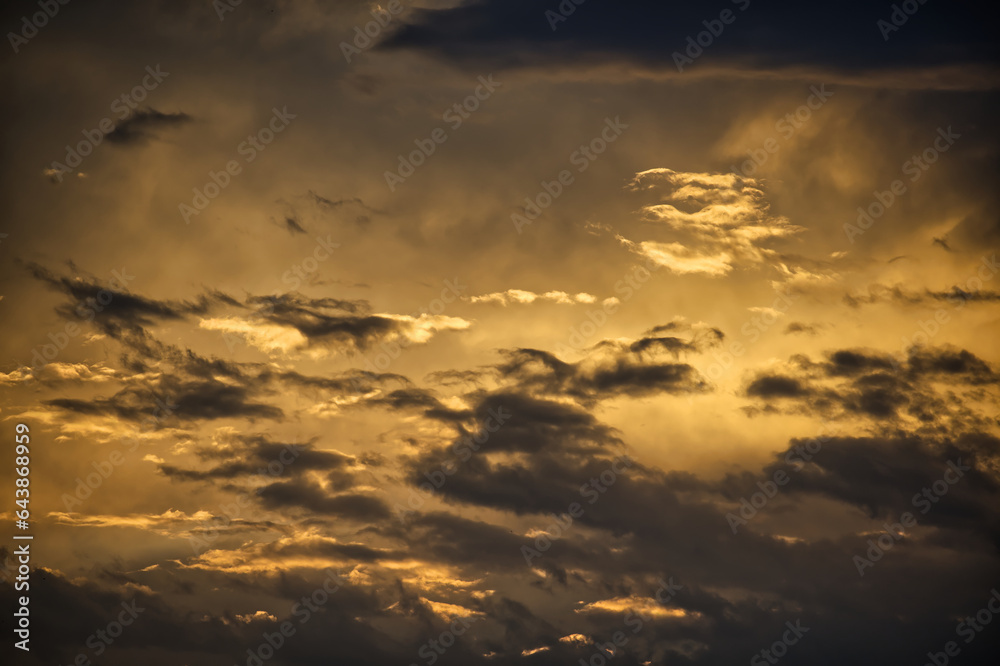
502	332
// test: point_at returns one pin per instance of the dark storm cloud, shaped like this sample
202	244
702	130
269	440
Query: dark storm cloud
190	387
649	531
175	398
540	425
882	476
75	611
613	369
648	518
408	398
952	362
878	386
309	496
447	537
852	362
776	386
140	126
769	36
669	344
123	306
465	546
330	321
117	312
258	455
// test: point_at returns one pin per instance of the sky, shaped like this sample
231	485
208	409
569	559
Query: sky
500	332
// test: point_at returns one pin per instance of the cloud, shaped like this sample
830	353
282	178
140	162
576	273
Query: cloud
932	390
293	226
795	327
520	296
249	457
291	324
721	221
310	497
899	295
56	372
765	40
611	368
141	125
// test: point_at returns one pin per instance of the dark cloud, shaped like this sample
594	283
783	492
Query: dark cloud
258	456
943	389
293	226
141	125
776	386
612	368
882	476
513	34
175	399
310	497
956	297
88	294
120	314
330	321
800	327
